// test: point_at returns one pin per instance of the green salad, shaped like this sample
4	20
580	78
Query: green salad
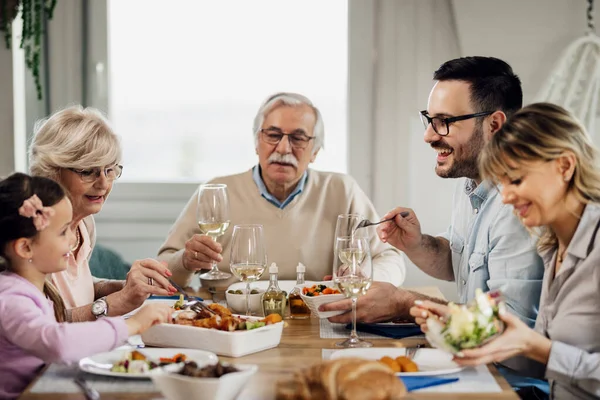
470	325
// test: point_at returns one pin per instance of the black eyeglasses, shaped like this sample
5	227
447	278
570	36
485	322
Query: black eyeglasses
441	126
274	136
92	174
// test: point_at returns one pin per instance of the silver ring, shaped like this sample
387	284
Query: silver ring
150	281
196	255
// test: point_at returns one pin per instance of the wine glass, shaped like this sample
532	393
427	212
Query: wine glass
353	275
213	220
345	227
248	258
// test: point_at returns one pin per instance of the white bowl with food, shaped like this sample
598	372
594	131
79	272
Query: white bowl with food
468	325
175	386
225	334
314	300
236	300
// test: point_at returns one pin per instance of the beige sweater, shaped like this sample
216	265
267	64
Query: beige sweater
301	232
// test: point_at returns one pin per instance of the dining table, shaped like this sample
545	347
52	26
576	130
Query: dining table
301	346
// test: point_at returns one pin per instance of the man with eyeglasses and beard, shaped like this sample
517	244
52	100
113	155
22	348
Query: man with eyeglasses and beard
485	246
297	206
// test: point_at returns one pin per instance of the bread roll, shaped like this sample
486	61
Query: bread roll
343	379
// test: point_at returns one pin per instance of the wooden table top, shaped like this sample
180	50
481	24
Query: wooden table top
300	346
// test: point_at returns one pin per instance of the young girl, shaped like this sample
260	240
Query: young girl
35	240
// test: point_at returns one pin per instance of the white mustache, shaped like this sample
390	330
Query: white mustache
283	159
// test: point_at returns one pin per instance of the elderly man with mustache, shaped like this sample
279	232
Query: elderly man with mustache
297	206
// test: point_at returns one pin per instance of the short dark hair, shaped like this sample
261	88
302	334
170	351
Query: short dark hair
494	85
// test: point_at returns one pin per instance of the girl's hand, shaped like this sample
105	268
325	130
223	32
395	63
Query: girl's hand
516	339
150	314
428	309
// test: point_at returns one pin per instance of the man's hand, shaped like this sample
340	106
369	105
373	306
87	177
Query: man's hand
200	252
383	302
403	232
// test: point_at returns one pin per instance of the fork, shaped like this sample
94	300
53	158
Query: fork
411	352
188	298
88	391
365	222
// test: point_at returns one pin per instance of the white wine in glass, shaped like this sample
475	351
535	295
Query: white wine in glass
353	275
213	220
248	258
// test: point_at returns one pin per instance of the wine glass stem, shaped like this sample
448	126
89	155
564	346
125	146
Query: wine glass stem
214	268
248	298
353	334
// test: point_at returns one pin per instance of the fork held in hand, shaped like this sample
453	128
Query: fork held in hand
365	222
187	297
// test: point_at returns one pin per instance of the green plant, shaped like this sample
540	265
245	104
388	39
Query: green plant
33	12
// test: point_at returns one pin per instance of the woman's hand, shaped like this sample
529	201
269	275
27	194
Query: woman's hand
200	252
146	277
150	314
422	310
517	339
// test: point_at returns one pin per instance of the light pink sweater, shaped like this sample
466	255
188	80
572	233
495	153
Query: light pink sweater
31	337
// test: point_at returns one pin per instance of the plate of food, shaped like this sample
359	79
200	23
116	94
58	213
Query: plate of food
127	363
426	362
223	333
468	325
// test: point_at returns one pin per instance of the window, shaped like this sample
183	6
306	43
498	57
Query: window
187	77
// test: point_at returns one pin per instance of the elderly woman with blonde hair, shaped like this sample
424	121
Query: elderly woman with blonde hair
549	171
77	148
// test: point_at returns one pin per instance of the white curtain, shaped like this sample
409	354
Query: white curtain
394	47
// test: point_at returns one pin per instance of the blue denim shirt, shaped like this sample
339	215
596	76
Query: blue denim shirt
264	192
491	249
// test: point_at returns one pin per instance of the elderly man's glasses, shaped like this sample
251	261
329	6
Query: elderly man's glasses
441	126
93	174
297	140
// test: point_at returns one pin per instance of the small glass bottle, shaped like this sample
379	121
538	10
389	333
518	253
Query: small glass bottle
298	309
273	300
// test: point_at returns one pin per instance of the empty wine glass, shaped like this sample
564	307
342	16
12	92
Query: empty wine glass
353	275
345	227
213	220
248	255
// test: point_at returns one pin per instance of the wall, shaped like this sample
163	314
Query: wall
529	35
7	161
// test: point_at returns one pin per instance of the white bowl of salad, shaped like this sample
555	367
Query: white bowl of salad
468	325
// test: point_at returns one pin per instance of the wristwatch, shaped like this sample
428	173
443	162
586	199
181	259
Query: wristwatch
100	307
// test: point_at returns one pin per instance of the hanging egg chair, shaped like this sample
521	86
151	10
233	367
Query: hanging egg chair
575	81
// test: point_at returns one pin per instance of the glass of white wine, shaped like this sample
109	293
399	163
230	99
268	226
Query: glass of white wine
213	220
248	258
353	275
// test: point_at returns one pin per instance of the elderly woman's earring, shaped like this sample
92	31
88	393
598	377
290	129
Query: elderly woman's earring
31	260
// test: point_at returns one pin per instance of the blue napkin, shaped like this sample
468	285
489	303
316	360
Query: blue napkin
422	382
394	331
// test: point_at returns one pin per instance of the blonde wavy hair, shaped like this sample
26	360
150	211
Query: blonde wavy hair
544	132
74	137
